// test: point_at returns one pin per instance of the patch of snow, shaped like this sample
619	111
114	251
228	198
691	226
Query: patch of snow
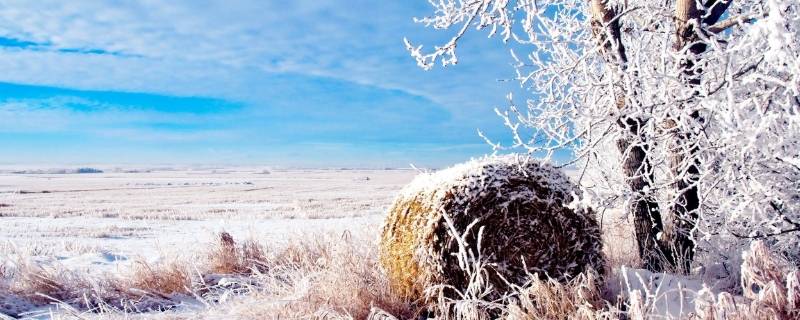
664	295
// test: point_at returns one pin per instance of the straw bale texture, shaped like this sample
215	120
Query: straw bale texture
522	206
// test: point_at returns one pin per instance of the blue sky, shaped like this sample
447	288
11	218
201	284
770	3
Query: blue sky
287	83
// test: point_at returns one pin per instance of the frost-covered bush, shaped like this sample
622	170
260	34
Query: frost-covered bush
771	290
509	213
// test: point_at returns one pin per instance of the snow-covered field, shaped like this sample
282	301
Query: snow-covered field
98	231
101	223
144	213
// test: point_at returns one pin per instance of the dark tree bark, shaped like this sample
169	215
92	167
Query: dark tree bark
683	160
633	145
647	220
684	210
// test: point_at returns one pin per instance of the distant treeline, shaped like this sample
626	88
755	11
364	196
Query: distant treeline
59	171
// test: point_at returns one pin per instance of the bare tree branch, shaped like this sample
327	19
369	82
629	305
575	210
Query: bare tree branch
730	22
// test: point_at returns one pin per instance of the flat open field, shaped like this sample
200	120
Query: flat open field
148	243
87	219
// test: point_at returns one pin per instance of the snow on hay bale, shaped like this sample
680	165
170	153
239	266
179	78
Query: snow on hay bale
522	206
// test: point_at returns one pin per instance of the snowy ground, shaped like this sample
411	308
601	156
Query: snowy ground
99	223
92	221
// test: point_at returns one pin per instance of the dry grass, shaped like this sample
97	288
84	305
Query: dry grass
44	284
162	280
619	243
143	288
230	258
326	277
580	298
334	276
8	248
771	287
4	272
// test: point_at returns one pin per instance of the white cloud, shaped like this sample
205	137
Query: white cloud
215	47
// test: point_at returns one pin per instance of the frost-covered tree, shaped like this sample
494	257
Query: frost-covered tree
685	112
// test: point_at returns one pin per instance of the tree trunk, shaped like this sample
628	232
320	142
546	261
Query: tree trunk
634	147
684	168
683	160
647	222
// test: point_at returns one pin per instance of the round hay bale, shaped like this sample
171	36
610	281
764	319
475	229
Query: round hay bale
522	207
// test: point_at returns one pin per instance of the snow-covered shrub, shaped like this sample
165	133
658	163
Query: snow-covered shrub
509	213
769	282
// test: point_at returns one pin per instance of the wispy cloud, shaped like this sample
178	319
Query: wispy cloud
304	71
